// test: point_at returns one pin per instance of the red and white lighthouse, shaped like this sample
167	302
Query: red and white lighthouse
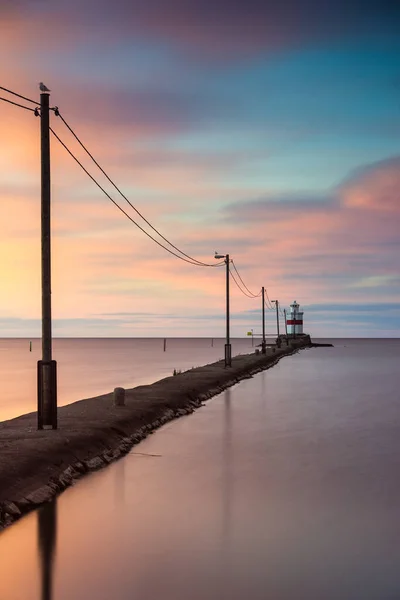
294	320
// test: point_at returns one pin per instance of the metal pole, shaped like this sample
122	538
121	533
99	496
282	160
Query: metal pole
228	352
284	312
46	259
294	322
263	350
47	384
277	315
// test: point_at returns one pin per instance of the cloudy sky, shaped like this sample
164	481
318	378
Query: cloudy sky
269	130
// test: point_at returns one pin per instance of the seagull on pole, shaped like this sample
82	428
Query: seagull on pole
43	88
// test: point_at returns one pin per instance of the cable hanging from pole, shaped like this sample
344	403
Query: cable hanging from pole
269	301
16	104
243	291
123	211
244	285
268	307
19	95
194	260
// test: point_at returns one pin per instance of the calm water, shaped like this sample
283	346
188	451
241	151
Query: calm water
284	487
89	367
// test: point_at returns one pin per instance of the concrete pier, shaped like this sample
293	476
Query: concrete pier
37	465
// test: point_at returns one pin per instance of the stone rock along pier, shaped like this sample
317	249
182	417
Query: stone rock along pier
37	465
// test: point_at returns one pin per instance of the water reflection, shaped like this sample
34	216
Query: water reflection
120	485
281	488
227	472
47	540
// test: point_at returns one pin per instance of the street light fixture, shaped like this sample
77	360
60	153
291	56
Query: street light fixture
276	302
228	347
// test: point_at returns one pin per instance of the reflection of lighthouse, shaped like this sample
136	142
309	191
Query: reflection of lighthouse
294	320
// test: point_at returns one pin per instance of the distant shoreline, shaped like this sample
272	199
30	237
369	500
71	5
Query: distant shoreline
36	465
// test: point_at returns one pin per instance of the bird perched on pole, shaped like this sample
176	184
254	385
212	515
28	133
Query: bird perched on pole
43	88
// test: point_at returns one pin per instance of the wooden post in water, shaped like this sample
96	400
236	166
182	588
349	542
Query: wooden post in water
165	344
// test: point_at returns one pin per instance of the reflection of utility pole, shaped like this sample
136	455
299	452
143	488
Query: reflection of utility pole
227	475
47	538
47	378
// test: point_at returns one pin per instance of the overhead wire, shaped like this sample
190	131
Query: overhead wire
182	255
199	262
19	95
244	285
240	288
121	209
268	307
17	104
185	257
269	301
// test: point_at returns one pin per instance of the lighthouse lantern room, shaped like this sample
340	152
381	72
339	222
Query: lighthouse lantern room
294	320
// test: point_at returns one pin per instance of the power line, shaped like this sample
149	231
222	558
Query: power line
268	307
19	95
16	104
269	301
243	292
122	210
244	285
199	262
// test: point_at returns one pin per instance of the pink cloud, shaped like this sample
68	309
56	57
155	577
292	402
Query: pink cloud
376	189
314	244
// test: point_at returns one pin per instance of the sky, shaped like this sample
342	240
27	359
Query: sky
266	130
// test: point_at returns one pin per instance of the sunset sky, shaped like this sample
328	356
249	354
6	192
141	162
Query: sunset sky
269	130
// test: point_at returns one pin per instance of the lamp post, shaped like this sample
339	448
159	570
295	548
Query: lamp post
263	344
228	348
47	367
276	302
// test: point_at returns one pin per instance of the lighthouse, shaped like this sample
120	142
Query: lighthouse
294	320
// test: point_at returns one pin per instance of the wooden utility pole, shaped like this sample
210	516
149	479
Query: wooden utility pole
277	315
228	347
47	368
263	344
284	312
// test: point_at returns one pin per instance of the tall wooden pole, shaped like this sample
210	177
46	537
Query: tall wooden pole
263	349
47	380
46	252
277	315
228	348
